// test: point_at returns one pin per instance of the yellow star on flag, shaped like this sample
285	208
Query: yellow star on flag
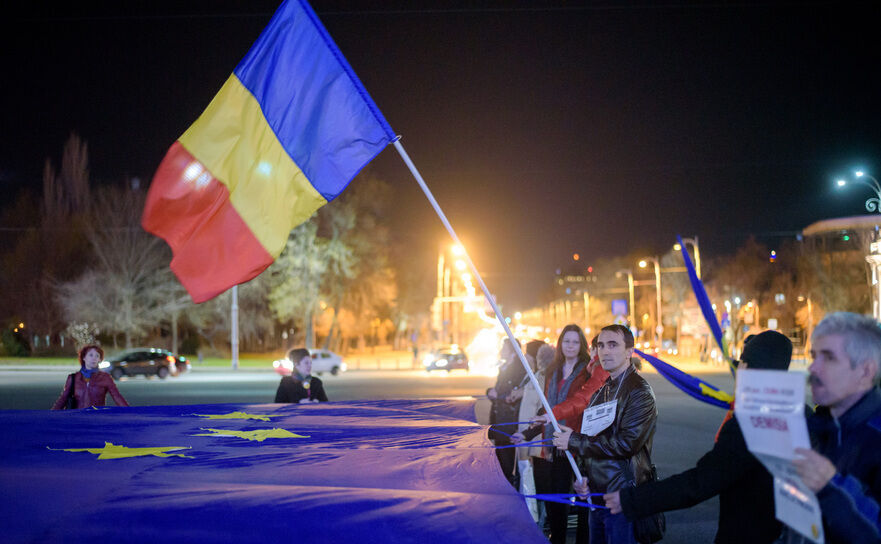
237	415
114	451
259	435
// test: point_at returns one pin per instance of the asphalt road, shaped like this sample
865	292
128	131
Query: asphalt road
686	427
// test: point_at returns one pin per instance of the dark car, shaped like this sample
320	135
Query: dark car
449	358
145	361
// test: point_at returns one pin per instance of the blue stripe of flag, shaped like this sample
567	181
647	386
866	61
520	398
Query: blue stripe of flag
312	100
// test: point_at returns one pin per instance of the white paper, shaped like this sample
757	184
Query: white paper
597	418
769	405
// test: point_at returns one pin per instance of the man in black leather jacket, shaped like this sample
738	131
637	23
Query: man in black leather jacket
615	451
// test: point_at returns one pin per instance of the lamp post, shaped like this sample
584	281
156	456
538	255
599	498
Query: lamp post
697	253
659	329
873	204
629	273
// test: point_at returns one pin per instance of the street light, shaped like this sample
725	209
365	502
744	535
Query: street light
629	273
872	204
660	328
697	253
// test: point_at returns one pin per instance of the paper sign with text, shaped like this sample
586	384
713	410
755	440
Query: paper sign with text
769	406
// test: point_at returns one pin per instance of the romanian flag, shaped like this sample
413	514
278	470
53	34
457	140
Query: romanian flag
286	134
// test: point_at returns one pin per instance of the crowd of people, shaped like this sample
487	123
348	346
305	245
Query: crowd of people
607	415
606	418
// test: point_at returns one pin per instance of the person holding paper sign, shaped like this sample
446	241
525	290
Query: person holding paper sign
615	441
844	466
745	488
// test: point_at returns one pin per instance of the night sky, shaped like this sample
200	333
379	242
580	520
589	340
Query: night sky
543	128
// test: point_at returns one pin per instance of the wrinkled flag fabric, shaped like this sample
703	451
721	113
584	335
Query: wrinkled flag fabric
361	471
286	134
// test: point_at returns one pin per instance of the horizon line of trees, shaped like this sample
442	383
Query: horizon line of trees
78	266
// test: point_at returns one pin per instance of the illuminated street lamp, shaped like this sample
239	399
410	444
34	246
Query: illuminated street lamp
660	328
697	253
872	204
629	273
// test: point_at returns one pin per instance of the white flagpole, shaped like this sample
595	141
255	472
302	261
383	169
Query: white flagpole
486	293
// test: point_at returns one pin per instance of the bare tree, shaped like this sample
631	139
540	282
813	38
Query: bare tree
127	288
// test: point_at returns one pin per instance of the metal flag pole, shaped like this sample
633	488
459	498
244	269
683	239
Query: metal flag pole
489	298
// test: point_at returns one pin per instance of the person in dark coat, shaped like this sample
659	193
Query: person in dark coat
90	386
300	387
844	467
745	488
506	407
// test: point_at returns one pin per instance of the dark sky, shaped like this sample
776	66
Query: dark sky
543	128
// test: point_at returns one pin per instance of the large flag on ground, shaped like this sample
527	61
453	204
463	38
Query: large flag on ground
286	134
363	471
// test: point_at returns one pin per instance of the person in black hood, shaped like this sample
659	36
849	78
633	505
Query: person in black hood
745	488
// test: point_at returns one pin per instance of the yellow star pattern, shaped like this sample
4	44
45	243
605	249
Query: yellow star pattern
114	451
259	435
237	415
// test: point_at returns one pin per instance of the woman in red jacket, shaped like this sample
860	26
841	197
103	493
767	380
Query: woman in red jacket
89	386
571	376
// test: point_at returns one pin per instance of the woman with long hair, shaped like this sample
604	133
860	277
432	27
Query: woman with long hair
89	386
568	374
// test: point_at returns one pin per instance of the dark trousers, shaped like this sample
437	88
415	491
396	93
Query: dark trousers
556	477
508	461
606	528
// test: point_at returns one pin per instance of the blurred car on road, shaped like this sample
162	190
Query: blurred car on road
146	362
446	358
322	361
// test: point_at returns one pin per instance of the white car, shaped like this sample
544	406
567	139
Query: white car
322	361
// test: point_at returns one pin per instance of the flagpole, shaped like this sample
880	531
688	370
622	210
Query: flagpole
486	293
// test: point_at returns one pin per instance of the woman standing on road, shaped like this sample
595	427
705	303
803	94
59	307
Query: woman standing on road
572	373
89	386
300	387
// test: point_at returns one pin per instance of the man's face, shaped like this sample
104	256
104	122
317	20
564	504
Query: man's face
833	382
613	355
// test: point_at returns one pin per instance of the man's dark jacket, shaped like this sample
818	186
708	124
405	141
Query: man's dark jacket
745	489
620	454
291	389
850	501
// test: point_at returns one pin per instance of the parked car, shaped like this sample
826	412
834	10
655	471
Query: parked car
322	361
145	361
446	358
